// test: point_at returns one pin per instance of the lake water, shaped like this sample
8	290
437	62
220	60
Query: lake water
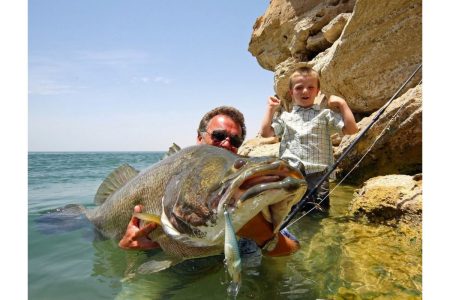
339	258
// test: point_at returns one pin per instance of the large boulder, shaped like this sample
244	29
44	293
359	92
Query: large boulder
379	45
260	146
293	29
379	48
393	144
390	200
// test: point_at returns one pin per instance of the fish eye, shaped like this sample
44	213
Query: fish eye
239	163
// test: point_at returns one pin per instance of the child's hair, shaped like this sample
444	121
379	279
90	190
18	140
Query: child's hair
304	71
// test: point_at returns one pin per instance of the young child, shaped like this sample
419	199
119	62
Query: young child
305	131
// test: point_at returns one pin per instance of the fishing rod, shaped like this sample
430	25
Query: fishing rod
296	208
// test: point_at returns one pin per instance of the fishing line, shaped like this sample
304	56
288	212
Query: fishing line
296	208
357	163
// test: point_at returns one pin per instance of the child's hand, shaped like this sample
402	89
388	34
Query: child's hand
350	126
335	102
273	102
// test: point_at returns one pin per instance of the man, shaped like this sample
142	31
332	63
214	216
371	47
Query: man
222	127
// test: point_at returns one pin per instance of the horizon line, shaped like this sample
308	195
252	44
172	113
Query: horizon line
86	151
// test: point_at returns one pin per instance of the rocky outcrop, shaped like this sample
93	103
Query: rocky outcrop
379	45
292	29
254	147
260	146
393	145
364	51
391	200
332	31
291	33
379	48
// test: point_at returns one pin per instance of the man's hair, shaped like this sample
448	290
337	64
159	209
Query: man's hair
229	111
304	71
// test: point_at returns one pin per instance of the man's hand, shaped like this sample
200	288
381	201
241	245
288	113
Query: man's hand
135	238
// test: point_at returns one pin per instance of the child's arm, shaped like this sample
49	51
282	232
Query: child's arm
350	126
266	127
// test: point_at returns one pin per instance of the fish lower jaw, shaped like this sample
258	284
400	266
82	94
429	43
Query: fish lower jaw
274	205
257	185
275	175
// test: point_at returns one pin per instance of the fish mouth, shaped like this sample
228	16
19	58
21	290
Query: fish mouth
251	182
257	185
270	189
273	175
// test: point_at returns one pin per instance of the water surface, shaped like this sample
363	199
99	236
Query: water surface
339	258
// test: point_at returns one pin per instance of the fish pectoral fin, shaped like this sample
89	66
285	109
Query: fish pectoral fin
115	180
148	217
154	266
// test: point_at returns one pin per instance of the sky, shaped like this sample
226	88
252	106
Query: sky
138	75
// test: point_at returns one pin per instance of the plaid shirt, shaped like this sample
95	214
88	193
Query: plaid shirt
305	136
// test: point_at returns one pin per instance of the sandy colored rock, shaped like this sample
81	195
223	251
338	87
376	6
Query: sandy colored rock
397	151
284	29
332	31
379	48
392	200
260	146
317	43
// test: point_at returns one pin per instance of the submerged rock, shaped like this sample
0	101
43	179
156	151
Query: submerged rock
391	200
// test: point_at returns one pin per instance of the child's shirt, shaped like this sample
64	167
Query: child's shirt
306	136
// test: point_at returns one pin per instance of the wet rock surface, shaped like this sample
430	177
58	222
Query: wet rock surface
394	200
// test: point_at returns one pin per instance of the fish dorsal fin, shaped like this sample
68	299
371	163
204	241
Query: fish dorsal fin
117	179
172	150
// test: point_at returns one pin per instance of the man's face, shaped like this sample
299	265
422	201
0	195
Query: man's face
221	124
304	90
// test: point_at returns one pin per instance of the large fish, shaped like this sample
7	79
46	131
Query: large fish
186	194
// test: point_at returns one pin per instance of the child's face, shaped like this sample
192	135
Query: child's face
304	90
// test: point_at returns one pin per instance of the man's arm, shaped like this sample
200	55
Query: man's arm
135	238
350	126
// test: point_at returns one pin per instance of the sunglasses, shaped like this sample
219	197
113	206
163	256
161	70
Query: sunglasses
220	135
